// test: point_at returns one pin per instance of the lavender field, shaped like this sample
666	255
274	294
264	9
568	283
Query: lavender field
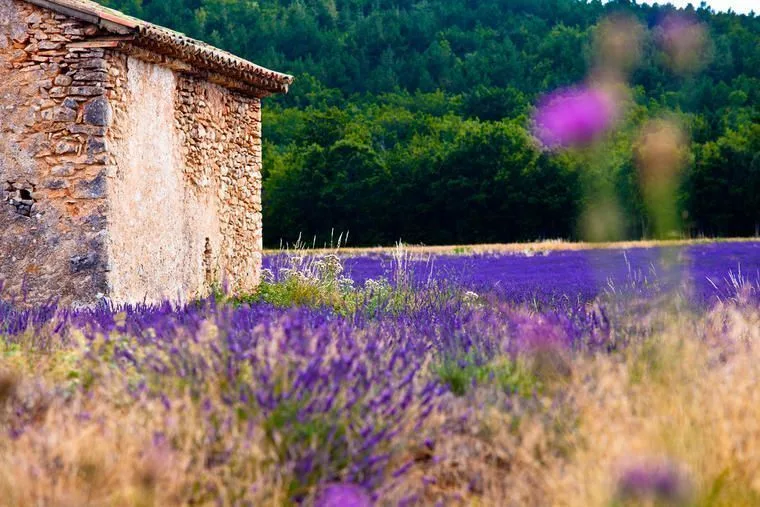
587	377
552	277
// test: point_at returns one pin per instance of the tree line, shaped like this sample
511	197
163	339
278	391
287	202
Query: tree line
409	119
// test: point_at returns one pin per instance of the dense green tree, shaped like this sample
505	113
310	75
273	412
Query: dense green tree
725	184
409	119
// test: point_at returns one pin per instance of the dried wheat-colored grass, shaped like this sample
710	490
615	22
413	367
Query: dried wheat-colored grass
554	245
678	398
687	395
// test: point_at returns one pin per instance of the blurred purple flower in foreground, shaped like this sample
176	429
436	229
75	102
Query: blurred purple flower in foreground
684	40
573	116
657	480
343	495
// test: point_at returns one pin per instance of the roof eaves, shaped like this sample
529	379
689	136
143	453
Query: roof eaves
118	24
172	43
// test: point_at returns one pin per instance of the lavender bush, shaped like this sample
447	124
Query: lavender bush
349	378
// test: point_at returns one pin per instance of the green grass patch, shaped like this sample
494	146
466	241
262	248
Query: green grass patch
462	375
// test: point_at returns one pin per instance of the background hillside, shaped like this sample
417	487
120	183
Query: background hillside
409	118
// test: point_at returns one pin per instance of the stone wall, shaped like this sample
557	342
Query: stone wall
221	146
53	123
122	175
185	193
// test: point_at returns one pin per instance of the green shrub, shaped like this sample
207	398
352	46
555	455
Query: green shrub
506	375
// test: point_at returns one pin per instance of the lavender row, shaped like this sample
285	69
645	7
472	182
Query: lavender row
708	271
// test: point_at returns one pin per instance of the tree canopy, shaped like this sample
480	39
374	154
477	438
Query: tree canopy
409	118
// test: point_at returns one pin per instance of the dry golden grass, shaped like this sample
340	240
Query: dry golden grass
507	248
680	398
101	451
687	395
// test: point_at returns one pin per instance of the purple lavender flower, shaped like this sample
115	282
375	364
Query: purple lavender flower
334	394
343	495
658	480
573	116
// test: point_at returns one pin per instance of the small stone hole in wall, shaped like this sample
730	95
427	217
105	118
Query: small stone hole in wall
20	197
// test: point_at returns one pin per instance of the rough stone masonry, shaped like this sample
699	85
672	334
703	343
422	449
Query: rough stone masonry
130	158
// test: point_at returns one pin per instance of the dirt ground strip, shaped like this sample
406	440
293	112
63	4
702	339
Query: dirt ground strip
496	248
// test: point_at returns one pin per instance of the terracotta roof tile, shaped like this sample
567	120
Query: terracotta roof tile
171	43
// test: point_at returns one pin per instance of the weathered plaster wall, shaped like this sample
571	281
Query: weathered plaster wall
185	193
157	226
53	122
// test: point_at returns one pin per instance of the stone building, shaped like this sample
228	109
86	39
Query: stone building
130	157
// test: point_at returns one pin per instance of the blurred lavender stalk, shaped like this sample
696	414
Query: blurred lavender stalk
573	117
660	481
343	495
684	42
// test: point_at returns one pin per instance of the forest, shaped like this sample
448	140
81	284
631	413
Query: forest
410	119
